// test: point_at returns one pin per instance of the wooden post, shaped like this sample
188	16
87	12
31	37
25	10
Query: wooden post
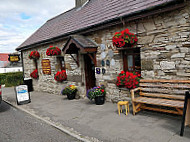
186	110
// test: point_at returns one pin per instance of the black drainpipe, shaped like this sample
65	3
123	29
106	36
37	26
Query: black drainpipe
22	64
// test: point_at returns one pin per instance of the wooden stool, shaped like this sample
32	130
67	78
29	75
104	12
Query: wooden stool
120	104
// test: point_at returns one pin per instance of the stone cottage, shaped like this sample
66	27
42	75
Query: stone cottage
84	34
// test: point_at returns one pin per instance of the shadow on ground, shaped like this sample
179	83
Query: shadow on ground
4	107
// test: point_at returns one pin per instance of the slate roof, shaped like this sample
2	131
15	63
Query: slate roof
84	41
93	13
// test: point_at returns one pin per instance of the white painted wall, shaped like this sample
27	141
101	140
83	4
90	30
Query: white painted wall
15	69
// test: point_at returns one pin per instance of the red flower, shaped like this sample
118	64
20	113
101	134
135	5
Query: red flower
53	51
34	55
124	38
128	79
60	76
102	90
34	74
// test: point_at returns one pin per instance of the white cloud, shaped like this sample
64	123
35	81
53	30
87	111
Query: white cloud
20	18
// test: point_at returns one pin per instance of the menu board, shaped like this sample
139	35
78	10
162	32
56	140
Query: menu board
46	66
22	94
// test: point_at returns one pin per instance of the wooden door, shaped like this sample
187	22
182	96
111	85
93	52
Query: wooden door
89	72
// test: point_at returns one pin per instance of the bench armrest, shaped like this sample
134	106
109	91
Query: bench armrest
133	92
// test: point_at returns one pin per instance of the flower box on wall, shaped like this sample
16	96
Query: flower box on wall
124	39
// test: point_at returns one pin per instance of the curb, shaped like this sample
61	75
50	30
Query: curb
56	125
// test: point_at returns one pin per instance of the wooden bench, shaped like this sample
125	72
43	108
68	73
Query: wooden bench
160	95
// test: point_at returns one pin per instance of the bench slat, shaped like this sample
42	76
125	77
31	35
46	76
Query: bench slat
165	85
178	97
165	90
162	102
164	81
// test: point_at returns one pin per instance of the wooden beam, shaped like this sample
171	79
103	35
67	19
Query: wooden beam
92	58
77	62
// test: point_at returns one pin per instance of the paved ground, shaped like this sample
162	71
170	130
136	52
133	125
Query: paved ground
17	126
85	119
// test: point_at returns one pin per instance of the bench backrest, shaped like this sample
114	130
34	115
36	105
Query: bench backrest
169	89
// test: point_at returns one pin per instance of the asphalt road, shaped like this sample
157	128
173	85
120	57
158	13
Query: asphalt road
17	126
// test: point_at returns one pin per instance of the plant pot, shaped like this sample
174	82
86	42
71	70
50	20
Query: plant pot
99	100
71	96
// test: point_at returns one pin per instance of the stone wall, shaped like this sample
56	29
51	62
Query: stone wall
164	40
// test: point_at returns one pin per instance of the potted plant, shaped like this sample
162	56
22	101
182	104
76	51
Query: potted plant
128	80
34	74
98	94
53	51
70	91
60	76
34	55
124	39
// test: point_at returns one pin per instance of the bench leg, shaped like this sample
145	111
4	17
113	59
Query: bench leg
134	108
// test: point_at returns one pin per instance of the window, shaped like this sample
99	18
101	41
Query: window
131	60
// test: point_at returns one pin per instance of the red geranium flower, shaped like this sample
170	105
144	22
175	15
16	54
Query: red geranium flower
128	79
34	74
124	39
34	55
60	76
53	51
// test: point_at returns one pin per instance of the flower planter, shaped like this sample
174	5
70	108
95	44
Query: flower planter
71	96
99	100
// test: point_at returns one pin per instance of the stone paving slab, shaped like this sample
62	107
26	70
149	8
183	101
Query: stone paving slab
92	122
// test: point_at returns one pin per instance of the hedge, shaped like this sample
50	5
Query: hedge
11	79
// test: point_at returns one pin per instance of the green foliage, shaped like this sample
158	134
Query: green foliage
2	78
69	90
96	91
11	79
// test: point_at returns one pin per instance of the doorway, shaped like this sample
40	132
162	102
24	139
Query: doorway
89	72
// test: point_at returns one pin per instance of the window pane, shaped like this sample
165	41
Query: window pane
130	62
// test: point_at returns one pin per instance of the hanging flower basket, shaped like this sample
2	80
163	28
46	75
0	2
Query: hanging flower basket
34	55
53	51
128	80
124	39
34	74
60	76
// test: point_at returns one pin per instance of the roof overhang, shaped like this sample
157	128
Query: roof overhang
79	43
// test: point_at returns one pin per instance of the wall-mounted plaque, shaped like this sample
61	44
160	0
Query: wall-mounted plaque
14	58
46	66
98	71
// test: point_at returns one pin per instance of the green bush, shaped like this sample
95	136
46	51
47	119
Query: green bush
2	78
11	79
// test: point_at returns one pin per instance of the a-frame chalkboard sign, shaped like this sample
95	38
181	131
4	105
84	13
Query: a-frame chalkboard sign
22	94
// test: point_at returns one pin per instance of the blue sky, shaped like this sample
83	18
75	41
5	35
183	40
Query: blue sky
21	18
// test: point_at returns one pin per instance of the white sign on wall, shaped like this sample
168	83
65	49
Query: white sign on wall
22	94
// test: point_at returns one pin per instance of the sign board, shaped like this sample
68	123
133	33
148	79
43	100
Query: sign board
14	58
22	95
46	67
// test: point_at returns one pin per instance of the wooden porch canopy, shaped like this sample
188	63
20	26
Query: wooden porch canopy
81	44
